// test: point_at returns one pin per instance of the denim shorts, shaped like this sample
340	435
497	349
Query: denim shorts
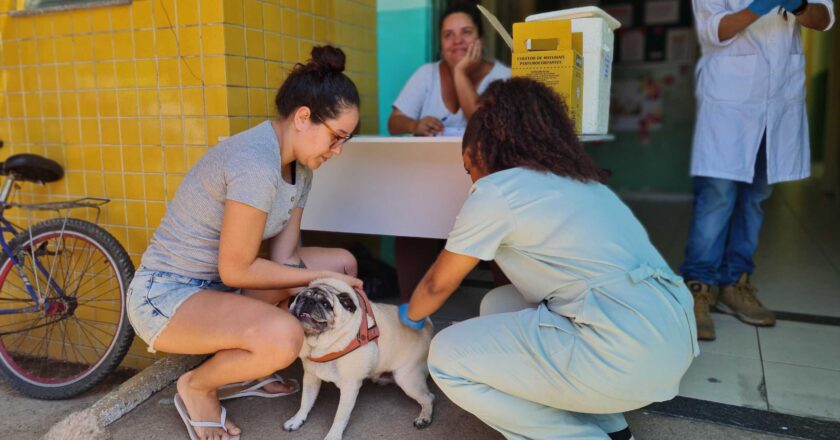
154	296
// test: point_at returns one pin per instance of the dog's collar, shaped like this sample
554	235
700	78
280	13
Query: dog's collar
366	334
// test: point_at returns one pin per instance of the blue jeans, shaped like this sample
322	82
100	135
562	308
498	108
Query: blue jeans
725	226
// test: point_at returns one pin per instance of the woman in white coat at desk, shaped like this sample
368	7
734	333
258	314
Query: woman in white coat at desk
594	324
752	132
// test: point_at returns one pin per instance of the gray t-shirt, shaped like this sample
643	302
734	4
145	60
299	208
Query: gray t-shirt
244	168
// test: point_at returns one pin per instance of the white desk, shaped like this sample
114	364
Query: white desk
404	186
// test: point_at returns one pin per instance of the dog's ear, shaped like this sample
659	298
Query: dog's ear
347	302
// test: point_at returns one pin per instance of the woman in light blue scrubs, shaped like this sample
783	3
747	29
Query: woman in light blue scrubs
595	323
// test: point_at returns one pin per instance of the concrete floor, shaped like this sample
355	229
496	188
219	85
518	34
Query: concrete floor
25	418
380	413
793	367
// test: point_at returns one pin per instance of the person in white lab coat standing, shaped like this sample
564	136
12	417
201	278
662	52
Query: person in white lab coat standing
751	132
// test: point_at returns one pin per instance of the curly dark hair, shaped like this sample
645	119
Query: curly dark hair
522	123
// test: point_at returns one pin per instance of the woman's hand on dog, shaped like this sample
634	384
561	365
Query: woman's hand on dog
352	281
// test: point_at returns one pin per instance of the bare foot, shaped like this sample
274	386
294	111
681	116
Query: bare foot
203	406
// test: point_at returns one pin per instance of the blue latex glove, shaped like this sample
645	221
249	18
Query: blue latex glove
408	322
795	6
761	7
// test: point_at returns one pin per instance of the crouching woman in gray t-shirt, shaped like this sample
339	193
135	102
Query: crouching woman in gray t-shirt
185	296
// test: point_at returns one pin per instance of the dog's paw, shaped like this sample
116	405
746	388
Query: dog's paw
293	424
333	436
422	422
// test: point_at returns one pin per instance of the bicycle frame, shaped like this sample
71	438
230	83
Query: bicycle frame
7	226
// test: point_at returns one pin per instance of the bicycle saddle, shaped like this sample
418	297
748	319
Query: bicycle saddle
32	168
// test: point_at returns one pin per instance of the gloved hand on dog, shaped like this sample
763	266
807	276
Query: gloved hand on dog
762	7
408	322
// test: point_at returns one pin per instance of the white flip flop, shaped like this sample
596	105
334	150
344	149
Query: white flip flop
185	416
254	389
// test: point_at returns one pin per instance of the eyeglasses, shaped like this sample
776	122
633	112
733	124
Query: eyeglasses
338	140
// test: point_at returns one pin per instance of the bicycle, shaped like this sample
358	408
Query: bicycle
63	282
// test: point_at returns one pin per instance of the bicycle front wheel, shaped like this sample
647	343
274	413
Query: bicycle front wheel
77	333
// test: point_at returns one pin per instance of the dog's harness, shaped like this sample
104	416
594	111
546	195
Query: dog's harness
366	334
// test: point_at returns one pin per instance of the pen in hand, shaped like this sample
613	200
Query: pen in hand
442	120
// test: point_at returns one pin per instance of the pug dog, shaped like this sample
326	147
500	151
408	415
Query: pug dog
331	314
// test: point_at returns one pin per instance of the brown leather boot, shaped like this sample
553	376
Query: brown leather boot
740	299
703	300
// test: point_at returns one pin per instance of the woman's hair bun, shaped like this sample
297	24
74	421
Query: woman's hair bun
327	59
320	84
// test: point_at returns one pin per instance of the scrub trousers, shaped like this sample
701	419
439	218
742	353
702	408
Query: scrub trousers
503	368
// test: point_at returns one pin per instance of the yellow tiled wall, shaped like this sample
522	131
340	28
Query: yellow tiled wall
128	97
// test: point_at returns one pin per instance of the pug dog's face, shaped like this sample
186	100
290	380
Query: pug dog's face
324	305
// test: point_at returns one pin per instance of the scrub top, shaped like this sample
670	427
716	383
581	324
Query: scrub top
577	248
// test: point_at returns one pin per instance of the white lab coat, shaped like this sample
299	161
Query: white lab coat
750	83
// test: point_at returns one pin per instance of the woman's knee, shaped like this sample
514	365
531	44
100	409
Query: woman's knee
503	299
278	339
348	262
332	259
441	351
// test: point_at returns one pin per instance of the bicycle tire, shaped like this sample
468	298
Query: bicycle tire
54	375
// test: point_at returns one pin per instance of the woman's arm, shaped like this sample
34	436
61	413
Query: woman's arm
816	16
464	87
239	244
440	281
399	123
731	24
467	95
411	101
283	248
